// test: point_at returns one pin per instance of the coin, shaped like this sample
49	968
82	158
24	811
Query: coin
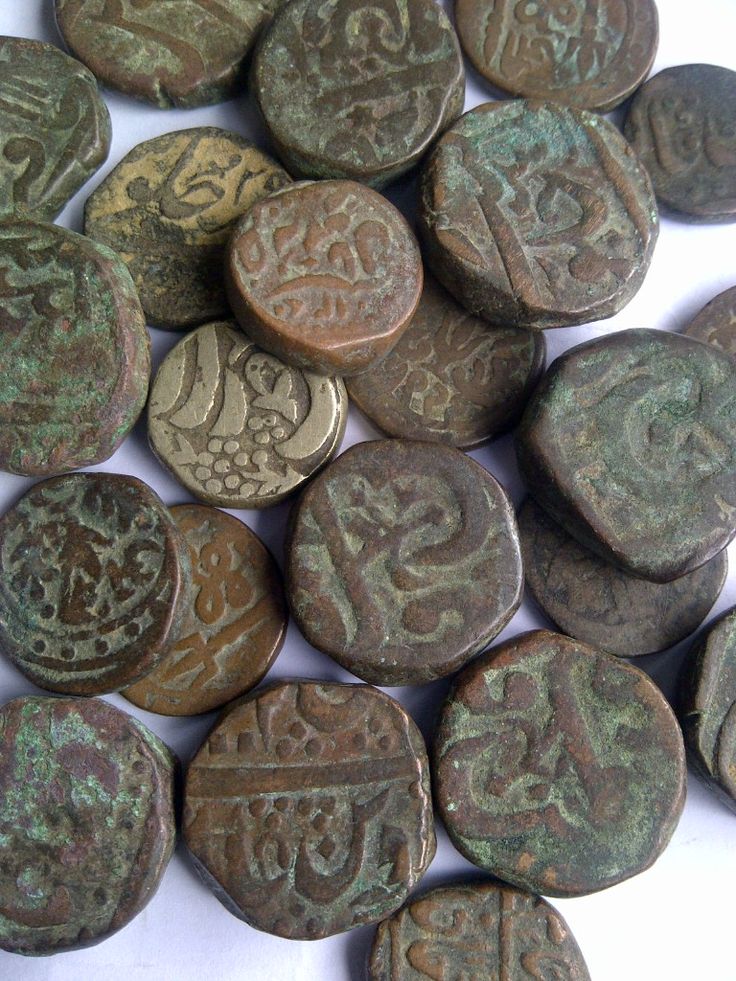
308	809
236	426
325	275
55	132
716	322
402	561
537	215
86	818
558	768
233	628
168	209
94	579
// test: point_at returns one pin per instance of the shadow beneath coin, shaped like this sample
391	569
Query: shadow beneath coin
46	29
358	948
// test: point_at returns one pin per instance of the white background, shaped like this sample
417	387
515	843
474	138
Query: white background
674	922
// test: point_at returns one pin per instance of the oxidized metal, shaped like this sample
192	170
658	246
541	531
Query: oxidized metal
55	128
94	580
716	322
86	819
403	561
308	808
537	215
558	768
234	625
236	426
168	209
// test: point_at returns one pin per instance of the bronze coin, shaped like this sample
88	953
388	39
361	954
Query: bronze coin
598	603
168	209
589	55
402	561
452	377
308	809
234	625
558	768
682	124
716	322
86	818
94	579
537	215
325	275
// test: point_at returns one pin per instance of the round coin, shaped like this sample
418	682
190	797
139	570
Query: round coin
86	818
452	377
94	580
716	323
325	275
234	627
558	768
168	209
236	426
590	55
537	215
682	124
403	561
308	808
55	128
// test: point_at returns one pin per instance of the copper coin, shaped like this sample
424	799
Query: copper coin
308	808
403	561
233	627
716	322
558	768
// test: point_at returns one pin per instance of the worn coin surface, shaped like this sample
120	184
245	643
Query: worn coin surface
452	377
168	209
579	52
537	215
558	768
716	322
308	808
358	90
94	580
477	930
55	128
234	625
86	818
235	425
325	275
629	442
682	124
403	561
598	603
170	52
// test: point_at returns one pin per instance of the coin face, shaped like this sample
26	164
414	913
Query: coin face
86	818
308	808
716	323
558	768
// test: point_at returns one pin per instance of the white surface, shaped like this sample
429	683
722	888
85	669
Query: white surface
674	922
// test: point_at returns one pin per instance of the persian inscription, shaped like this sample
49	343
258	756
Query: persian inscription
716	323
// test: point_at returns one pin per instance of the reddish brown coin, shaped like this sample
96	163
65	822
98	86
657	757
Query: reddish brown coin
716	322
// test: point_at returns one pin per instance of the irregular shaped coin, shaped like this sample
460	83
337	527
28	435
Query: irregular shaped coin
86	818
558	768
168	209
308	808
716	322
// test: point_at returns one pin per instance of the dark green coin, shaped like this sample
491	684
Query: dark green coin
716	322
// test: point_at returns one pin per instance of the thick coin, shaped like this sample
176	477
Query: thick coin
325	275
74	351
598	603
168	209
452	377
537	215
558	768
170	52
86	818
94	580
358	91
308	808
716	322
234	625
578	52
236	426
629	442
476	930
55	128
403	561
682	124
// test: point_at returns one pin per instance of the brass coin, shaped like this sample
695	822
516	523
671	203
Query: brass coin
716	322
